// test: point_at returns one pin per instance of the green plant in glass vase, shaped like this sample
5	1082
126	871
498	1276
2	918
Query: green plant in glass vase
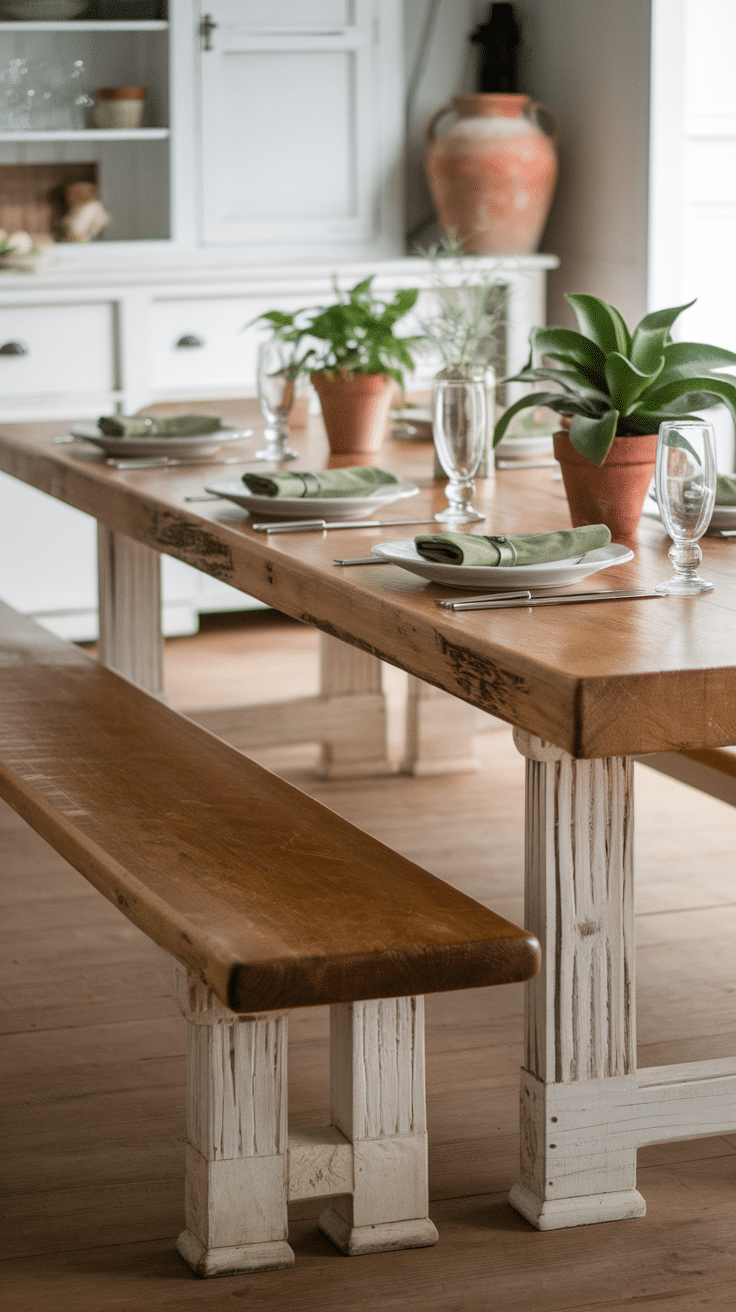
613	388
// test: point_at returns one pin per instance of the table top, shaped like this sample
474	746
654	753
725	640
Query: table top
620	678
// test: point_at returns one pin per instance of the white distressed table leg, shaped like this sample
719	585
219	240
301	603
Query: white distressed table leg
439	732
236	1164
580	1017
129	584
378	1102
354	677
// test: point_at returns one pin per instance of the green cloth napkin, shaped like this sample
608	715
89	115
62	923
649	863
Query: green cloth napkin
726	490
357	481
521	549
146	426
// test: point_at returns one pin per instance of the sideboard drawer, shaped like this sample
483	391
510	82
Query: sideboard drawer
203	342
200	344
59	350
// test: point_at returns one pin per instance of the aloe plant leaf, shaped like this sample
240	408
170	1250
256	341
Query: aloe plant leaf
524	403
652	335
648	421
626	382
592	438
718	389
677	440
682	359
569	347
571	380
601	322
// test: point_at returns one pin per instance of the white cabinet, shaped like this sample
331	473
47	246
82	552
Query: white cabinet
301	129
131	167
275	129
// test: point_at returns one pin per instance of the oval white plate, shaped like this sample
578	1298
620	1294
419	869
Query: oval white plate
311	507
202	444
722	517
553	573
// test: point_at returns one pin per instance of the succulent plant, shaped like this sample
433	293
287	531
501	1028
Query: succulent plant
617	383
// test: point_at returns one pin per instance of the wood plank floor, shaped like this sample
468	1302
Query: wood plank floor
92	1087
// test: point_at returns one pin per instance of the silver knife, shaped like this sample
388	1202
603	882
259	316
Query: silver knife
317	525
364	560
559	599
163	462
449	603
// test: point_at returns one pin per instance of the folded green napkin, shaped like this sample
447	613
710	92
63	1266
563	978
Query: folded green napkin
357	481
146	426
726	490
521	549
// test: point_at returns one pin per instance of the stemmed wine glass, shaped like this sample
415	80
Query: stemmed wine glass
685	487
459	426
277	384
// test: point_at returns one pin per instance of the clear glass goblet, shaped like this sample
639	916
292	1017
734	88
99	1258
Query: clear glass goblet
459	426
277	389
685	487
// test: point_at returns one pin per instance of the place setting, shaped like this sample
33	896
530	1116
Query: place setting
148	442
303	501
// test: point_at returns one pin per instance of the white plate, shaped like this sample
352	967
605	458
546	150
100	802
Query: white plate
518	448
722	517
552	574
412	424
312	507
201	444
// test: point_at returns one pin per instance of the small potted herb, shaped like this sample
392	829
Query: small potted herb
613	389
355	360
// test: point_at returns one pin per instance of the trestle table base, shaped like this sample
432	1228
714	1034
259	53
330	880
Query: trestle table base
585	1109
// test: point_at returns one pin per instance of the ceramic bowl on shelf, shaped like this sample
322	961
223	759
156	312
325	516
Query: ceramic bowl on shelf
32	11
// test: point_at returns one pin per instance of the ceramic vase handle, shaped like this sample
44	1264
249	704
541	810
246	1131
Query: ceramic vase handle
547	121
447	108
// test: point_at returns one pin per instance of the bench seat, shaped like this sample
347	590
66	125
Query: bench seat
269	901
711	770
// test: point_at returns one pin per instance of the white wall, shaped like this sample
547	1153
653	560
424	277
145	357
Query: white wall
588	60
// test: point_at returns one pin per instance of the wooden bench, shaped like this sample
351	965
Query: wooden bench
267	900
711	770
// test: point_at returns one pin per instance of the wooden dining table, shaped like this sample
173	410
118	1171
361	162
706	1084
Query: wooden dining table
586	687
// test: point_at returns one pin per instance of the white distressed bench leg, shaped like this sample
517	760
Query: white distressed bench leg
439	732
579	1089
129	586
378	1102
236	1165
355	678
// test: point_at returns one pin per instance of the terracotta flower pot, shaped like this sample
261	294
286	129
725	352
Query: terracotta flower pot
355	409
612	493
492	172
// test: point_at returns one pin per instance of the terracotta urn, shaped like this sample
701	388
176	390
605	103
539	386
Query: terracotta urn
355	409
492	172
612	493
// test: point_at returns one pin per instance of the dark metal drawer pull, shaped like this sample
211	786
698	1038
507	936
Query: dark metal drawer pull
188	342
14	348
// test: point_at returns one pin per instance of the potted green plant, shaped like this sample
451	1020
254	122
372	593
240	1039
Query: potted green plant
356	362
613	389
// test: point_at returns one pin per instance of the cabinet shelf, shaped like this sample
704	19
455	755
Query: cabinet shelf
89	134
93	25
